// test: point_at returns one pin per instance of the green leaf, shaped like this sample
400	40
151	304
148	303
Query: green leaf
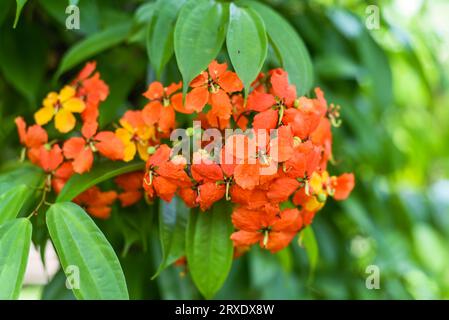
199	35
289	47
20	5
247	43
209	248
23	56
93	45
84	251
12	201
15	240
56	289
172	231
160	34
308	241
80	183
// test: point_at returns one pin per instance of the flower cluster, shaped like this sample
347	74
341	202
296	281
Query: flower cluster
256	170
269	153
62	158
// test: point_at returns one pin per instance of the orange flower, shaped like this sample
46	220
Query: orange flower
61	176
164	176
81	149
343	185
163	103
213	87
131	183
50	158
273	231
96	202
32	138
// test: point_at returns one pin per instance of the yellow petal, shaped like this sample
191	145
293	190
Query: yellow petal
44	115
64	121
316	183
313	205
145	133
50	100
66	93
125	124
143	151
123	135
74	105
130	152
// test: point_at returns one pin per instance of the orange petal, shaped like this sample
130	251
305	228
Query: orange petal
266	120
177	103
216	69
51	159
281	88
278	240
200	81
173	88
197	99
259	101
21	129
109	145
221	104
167	119
282	188
247	175
155	91
209	193
129	198
152	112
230	82
83	162
245	238
344	185
73	147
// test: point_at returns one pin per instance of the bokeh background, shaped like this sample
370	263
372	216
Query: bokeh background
392	85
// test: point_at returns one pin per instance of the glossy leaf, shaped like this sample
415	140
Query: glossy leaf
199	35
84	251
15	240
172	231
209	248
12	201
93	45
307	240
105	171
160	34
246	41
289	46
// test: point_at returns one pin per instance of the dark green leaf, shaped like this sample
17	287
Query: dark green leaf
56	289
105	171
84	251
199	35
172	231
160	34
93	45
246	42
209	248
289	46
23	57
12	201
15	240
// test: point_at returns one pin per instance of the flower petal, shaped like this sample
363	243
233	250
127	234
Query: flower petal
64	121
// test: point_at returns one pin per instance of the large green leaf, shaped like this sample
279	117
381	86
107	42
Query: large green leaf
246	42
81	246
307	240
93	45
209	248
12	201
172	231
289	46
160	34
199	35
105	171
15	240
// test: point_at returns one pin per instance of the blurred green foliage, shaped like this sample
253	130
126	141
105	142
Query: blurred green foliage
393	88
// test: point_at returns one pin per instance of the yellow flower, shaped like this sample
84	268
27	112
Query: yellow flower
135	139
60	106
